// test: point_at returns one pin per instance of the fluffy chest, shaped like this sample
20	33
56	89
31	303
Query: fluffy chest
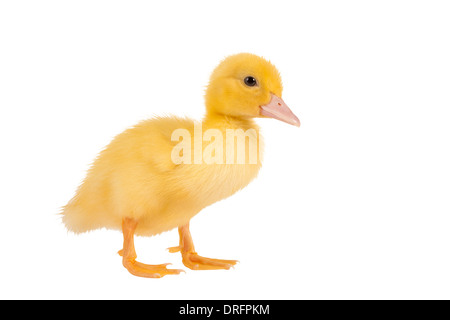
213	161
214	182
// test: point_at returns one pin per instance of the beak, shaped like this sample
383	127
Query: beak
277	109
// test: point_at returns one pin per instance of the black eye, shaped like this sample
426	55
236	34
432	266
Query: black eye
250	81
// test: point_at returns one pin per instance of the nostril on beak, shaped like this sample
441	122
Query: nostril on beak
279	104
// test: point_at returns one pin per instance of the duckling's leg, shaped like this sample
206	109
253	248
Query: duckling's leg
129	255
191	259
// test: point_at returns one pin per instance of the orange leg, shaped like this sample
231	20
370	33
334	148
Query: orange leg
191	259
129	255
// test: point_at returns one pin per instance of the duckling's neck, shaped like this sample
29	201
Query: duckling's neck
213	120
235	132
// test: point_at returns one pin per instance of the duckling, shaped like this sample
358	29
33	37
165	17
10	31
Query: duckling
138	184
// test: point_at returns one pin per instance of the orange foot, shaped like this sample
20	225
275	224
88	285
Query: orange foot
147	270
195	262
192	260
128	254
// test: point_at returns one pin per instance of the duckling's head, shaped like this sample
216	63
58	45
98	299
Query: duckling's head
247	86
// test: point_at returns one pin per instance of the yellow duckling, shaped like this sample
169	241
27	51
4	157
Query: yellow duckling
158	174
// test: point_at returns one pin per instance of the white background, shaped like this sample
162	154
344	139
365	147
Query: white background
353	205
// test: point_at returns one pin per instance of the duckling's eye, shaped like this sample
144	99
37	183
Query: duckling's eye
250	81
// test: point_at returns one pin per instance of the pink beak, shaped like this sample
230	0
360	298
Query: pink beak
277	109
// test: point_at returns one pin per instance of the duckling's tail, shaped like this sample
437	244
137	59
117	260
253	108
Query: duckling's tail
77	219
